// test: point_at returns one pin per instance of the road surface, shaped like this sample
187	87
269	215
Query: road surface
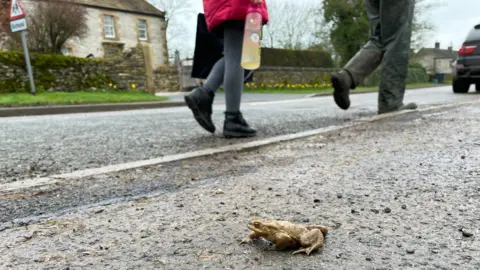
400	193
46	145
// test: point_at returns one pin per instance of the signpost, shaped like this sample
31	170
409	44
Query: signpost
18	23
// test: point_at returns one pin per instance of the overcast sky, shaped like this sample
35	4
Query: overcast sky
453	19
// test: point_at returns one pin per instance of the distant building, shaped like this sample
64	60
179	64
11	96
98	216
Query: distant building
116	25
435	59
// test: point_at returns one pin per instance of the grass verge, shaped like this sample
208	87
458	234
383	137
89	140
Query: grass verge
326	89
71	98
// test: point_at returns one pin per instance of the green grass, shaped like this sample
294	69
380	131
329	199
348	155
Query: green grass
324	90
80	97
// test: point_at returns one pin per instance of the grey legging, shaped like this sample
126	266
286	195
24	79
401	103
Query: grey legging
228	71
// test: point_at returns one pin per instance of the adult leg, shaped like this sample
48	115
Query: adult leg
396	30
234	125
363	63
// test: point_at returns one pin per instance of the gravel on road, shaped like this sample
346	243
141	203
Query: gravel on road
400	193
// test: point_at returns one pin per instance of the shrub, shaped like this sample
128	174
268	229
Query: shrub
296	58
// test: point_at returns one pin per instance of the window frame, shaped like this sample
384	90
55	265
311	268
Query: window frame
110	25
145	29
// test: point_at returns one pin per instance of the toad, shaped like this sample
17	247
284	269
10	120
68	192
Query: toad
285	234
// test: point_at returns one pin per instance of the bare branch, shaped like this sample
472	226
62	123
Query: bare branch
176	17
51	24
292	24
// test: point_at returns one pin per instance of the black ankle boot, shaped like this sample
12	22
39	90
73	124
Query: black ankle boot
200	101
236	126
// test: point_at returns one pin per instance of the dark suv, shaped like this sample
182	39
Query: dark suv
467	70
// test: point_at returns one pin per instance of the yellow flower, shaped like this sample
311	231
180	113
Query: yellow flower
133	86
110	84
115	87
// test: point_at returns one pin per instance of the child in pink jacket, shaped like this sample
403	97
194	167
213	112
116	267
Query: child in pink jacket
225	18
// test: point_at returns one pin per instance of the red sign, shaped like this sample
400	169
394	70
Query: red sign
16	10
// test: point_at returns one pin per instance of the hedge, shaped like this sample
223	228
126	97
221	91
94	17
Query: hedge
42	61
296	58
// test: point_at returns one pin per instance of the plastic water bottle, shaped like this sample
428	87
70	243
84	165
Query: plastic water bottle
251	39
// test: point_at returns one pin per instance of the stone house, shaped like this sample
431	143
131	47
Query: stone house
116	25
435	59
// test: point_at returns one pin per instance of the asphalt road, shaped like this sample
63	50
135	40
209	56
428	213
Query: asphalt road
247	97
399	193
46	145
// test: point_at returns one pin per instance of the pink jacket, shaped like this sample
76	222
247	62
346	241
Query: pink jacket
219	11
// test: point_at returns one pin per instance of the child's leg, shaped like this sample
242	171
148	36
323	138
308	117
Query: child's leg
234	125
215	78
234	73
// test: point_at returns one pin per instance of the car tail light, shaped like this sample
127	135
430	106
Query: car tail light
467	49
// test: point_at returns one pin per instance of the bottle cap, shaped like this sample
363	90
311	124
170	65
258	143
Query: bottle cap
252	8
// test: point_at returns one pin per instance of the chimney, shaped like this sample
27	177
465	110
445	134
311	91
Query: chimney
437	45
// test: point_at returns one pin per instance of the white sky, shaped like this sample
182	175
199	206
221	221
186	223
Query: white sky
453	19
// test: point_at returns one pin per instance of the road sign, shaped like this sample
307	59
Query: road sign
16	10
18	25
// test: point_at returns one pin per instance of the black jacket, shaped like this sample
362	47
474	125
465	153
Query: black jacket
208	50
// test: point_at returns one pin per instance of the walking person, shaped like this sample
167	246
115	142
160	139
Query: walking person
389	44
225	18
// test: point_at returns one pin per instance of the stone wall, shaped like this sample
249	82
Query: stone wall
166	79
128	69
298	75
51	72
64	73
292	75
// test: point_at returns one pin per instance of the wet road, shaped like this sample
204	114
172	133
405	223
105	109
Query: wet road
46	145
400	193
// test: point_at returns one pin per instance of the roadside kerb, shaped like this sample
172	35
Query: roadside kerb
54	179
85	108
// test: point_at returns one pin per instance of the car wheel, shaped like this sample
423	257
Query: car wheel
460	86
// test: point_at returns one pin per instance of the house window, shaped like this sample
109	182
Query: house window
67	51
142	30
109	26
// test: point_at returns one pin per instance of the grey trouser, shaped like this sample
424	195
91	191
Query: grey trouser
389	45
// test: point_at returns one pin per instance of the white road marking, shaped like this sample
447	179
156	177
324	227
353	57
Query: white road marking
39	182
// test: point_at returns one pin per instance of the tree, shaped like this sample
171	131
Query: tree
50	25
347	24
54	23
422	26
176	12
292	24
